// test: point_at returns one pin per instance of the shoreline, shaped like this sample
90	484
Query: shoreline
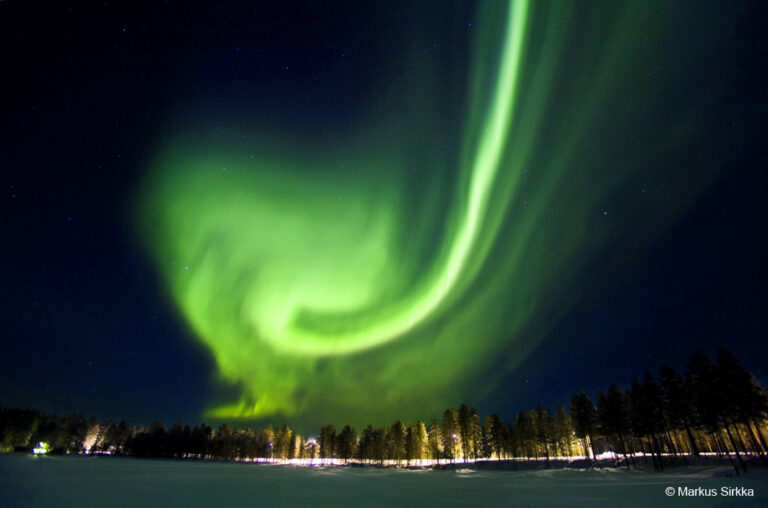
637	463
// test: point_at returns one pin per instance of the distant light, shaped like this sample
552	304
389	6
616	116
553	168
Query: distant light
42	448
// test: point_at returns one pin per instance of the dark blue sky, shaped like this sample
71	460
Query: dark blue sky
89	92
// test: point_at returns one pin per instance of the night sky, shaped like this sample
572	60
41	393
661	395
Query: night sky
357	211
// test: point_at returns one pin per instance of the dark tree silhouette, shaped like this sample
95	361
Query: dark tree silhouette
435	437
677	403
328	442
396	441
450	432
584	416
613	413
346	443
746	399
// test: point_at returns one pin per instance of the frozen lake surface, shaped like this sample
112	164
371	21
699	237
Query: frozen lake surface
110	481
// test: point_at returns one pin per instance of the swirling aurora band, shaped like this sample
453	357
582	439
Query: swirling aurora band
332	292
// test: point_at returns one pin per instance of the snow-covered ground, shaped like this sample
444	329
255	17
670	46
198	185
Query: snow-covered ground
111	481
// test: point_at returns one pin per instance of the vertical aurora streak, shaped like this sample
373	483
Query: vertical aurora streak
317	289
405	315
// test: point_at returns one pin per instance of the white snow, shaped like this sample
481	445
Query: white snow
27	480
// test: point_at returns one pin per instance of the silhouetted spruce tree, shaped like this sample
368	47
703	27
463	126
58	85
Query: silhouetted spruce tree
76	430
435	437
543	424
416	442
148	443
17	427
51	431
347	441
411	446
379	444
328	442
117	436
187	440
563	432
711	402
365	447
176	444
297	447
157	440
513	441
288	450
707	397
613	417
450	431
746	399
246	444
526	434
488	449
475	434
465	432
638	420
677	403
225	444
646	417
397	441
494	430
584	417
202	436
660	427
237	440
264	438
423	440
283	439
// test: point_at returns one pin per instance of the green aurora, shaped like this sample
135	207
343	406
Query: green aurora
335	289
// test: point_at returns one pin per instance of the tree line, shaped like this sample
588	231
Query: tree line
715	408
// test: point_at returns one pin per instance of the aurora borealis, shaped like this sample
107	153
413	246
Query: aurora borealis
283	273
340	213
309	282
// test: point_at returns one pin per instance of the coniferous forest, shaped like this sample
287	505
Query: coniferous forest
713	408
